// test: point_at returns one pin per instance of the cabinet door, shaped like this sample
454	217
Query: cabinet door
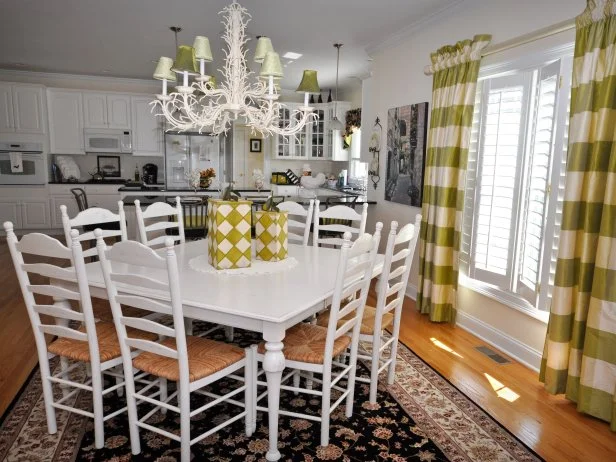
318	149
55	203
95	110
146	126
7	124
28	109
35	214
118	111
10	211
65	122
284	142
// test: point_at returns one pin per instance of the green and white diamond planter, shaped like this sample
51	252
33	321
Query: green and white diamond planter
229	241
271	234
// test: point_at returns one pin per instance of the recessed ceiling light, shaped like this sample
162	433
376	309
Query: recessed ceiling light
106	71
292	55
19	65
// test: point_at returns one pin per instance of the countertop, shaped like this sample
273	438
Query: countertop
150	199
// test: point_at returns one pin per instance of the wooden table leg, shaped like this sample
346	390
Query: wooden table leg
273	364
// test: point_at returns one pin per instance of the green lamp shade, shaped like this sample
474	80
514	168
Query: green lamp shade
271	65
309	83
264	45
212	83
185	60
202	48
163	69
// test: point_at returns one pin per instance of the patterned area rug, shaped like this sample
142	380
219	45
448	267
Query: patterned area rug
421	417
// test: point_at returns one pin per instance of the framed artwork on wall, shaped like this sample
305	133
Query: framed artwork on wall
255	145
407	128
109	166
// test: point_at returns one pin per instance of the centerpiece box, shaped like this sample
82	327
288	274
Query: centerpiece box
229	241
271	233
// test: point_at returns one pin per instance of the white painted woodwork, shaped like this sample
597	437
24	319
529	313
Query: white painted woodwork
7	121
94	110
118	111
299	221
11	211
338	212
55	202
159	210
336	143
146	128
26	208
65	109
37	246
148	261
35	214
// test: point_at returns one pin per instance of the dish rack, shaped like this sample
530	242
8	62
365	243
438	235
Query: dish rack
285	178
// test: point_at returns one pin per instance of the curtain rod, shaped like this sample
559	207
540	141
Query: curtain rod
531	37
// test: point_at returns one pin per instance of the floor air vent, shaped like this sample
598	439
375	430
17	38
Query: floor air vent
493	355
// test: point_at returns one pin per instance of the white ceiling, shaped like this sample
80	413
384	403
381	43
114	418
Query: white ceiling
121	38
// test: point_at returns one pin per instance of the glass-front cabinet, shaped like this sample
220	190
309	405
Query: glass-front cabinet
315	141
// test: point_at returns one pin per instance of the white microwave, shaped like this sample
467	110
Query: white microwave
108	140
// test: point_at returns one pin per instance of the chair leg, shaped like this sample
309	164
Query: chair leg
118	380
50	411
255	373
184	399
229	333
351	382
325	410
131	404
162	383
248	394
188	326
374	369
309	380
97	404
391	372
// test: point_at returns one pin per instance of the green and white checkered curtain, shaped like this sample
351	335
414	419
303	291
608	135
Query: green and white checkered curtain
455	70
579	358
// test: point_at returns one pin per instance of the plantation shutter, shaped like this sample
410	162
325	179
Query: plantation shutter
537	181
501	150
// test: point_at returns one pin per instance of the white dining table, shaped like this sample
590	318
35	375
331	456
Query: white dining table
266	303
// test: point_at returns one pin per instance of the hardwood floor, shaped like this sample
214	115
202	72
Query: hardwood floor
548	424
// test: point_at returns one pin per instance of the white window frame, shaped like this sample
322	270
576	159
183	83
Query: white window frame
552	225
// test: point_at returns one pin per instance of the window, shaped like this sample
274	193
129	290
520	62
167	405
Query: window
515	183
358	169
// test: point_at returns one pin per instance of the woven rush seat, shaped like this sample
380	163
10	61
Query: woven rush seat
108	345
306	343
367	322
205	357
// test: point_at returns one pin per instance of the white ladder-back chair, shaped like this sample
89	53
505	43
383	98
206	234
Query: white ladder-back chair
309	348
159	210
94	216
298	232
192	362
391	290
95	344
337	220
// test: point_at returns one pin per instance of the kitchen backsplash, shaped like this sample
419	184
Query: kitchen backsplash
88	163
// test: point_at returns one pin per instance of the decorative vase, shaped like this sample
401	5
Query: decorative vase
229	241
205	183
271	234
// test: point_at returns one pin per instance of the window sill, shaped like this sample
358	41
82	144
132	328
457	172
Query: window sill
506	298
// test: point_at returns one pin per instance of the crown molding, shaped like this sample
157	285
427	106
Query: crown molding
7	73
408	31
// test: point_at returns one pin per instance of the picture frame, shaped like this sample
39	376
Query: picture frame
255	144
109	166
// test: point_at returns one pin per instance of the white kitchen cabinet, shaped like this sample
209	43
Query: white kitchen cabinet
103	110
99	195
65	109
10	210
21	108
35	214
146	127
55	202
26	209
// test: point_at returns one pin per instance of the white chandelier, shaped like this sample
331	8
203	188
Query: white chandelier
205	106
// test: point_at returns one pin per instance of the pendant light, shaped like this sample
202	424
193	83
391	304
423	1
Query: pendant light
335	124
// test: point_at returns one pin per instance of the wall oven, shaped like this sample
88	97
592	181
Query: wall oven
22	163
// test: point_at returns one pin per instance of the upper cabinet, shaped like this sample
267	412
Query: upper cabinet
21	108
102	110
147	128
315	140
65	109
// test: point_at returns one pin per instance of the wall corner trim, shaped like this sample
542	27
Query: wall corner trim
519	351
411	292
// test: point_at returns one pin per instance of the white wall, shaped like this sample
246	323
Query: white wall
398	79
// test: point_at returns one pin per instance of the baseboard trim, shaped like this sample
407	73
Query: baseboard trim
411	292
519	351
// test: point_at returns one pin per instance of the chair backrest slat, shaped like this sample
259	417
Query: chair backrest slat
159	210
59	312
40	246
298	231
94	216
152	347
140	281
337	219
148	326
144	304
355	267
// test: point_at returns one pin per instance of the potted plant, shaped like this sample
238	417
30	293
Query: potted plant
229	221
271	232
206	176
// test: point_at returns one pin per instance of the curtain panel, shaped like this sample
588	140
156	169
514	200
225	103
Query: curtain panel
455	69
579	357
